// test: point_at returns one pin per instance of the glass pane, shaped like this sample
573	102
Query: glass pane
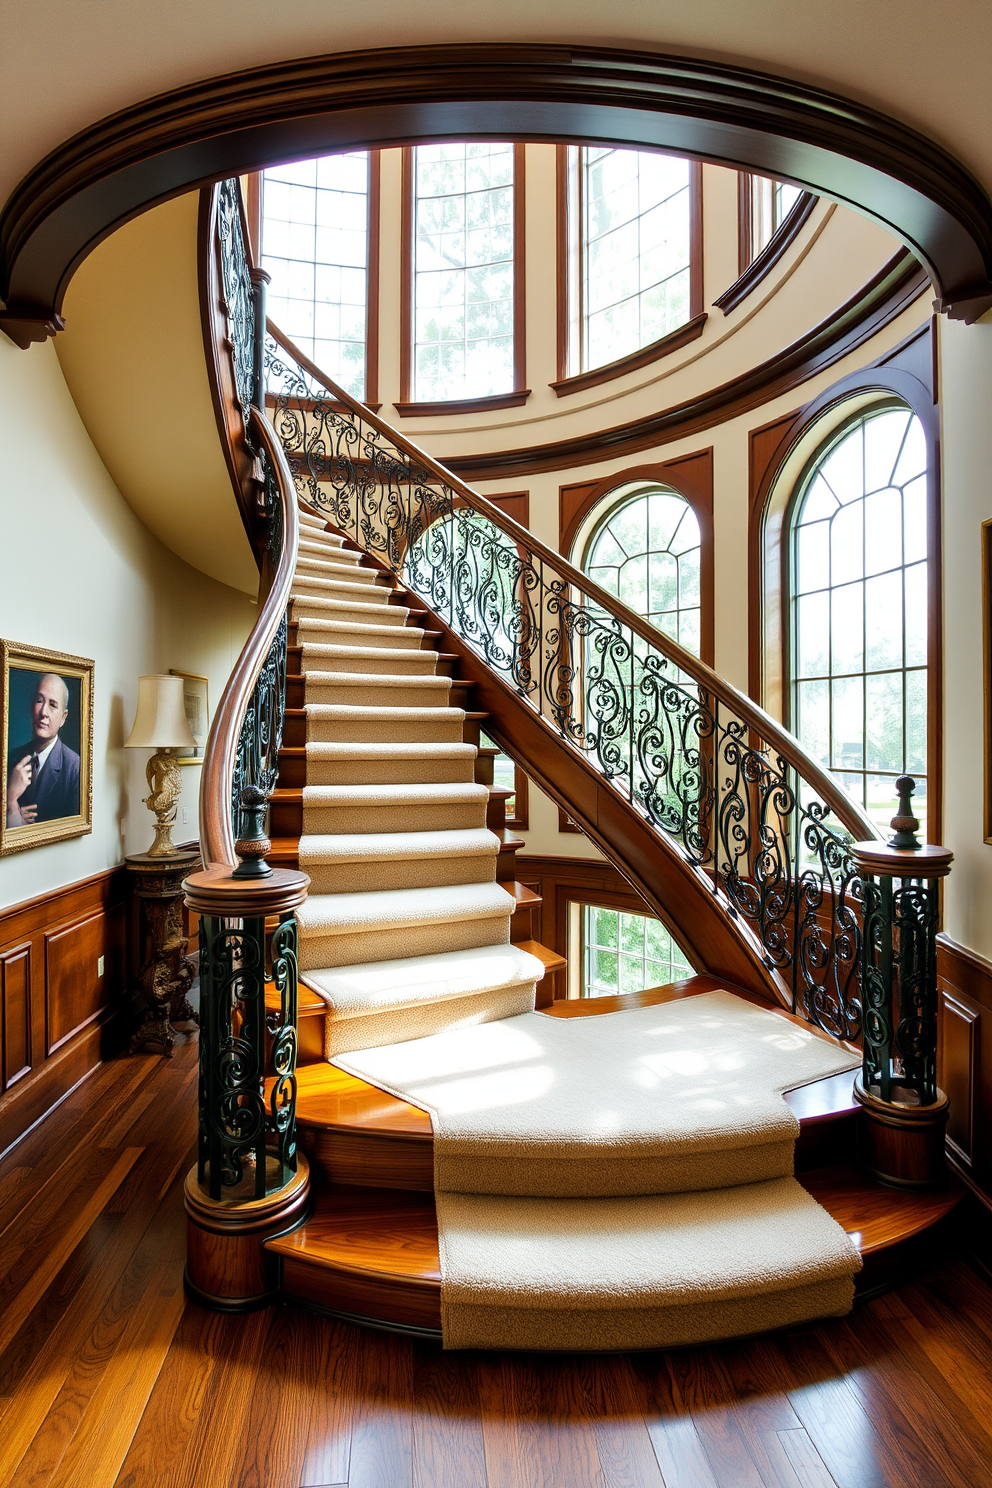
812	557
883	531
916	615
648	957
813	718
883	621
916	722
843	469
812	658
846	544
848	723
847	609
883	708
884	435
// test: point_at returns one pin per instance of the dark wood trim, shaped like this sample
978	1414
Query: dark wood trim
463	405
905	372
696	257
752	271
886	295
56	1010
516	504
745	194
407	407
674	341
253	214
692	476
965	1059
560	880
372	281
162	147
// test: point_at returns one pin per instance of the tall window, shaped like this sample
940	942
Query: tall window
626	953
629	226
647	553
315	245
463	294
859	608
764	206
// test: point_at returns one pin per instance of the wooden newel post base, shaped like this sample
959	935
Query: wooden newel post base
249	1183
227	1268
904	1113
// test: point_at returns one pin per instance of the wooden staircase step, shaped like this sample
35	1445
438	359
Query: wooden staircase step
373	1255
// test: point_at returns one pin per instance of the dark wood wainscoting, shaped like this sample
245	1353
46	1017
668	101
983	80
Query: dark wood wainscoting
965	1055
55	1000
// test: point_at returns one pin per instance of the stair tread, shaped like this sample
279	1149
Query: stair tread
425	681
388	653
393	1232
381	713
343	847
379	909
376	749
326	602
419	792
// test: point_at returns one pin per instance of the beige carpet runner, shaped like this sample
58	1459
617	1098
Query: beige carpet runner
622	1181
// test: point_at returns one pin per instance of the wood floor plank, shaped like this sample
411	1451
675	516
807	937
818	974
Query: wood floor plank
705	1391
283	1397
807	1464
327	1457
672	1432
614	1403
21	1289
382	1430
833	1415
448	1446
528	1440
86	1433
217	1441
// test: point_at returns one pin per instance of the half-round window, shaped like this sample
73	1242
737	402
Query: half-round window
646	551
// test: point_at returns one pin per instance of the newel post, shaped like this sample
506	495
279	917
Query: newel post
904	1111
249	1181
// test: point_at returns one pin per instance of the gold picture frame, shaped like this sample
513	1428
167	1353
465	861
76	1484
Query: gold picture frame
196	701
46	733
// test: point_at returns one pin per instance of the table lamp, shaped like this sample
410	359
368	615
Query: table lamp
160	724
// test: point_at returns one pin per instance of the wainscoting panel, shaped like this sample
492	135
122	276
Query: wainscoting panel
15	1011
960	1029
55	1003
964	1068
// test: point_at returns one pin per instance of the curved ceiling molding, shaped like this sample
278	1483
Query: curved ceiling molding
166	145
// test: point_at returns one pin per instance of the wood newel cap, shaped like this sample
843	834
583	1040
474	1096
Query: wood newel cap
215	891
883	861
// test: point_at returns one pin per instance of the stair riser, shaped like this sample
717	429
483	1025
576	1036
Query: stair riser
320	951
320	633
434	816
315	606
426	693
371	875
414	664
311	567
387	772
444	730
334	588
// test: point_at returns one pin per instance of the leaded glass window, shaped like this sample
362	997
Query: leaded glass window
647	553
315	245
630	237
859	608
463	291
627	953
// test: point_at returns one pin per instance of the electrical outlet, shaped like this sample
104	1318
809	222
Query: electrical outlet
99	966
185	816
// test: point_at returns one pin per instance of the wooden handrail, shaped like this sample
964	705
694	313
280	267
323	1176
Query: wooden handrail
216	830
785	744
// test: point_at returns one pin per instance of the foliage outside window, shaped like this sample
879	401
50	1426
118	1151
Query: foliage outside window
463	292
859	608
647	553
315	245
630	233
627	953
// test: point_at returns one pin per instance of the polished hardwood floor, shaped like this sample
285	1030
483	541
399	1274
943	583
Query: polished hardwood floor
109	1378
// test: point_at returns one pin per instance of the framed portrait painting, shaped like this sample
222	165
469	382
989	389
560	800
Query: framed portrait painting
46	708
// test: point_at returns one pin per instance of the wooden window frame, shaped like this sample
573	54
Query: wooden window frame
253	206
691	477
578	382
751	271
407	407
907	373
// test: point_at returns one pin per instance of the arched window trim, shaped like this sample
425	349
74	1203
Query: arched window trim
809	431
406	407
754	270
564	383
690	476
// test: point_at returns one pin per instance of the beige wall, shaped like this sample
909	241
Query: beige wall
79	573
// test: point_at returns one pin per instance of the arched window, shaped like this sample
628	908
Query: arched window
858	602
647	552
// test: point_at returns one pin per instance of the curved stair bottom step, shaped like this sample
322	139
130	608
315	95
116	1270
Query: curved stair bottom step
371	1255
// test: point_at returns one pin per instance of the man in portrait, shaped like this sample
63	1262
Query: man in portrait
43	775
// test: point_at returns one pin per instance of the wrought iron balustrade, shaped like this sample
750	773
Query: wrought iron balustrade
736	794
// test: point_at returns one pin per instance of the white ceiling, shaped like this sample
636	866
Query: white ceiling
66	63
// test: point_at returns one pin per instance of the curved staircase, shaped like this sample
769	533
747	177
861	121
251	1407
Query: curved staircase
565	1225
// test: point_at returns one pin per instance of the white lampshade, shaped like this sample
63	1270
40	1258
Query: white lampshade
160	720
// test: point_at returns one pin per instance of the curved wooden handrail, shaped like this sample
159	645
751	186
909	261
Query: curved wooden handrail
772	733
216	831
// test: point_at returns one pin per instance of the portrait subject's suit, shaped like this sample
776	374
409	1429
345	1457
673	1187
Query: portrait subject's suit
56	789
